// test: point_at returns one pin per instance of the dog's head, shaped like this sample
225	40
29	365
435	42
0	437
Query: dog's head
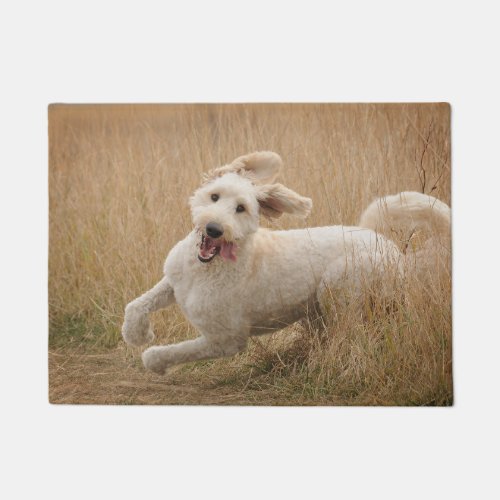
226	209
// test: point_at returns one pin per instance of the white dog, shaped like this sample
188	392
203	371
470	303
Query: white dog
233	279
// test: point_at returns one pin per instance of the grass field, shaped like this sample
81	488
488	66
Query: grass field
119	180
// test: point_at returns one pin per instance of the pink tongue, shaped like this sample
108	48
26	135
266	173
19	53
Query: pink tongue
227	251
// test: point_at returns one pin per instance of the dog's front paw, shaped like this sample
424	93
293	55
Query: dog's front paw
154	359
136	330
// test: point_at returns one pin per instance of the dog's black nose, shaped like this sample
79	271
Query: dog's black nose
214	230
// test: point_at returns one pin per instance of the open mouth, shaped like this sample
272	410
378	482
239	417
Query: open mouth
211	247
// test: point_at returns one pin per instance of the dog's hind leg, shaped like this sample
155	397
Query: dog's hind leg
136	329
344	285
366	281
159	358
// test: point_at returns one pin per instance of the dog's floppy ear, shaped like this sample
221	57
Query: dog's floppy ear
276	199
262	167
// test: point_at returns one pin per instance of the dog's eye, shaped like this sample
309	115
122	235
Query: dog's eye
240	208
215	197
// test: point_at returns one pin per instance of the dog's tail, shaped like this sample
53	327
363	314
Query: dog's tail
413	220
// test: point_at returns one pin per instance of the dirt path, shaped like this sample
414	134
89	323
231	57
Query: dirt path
118	377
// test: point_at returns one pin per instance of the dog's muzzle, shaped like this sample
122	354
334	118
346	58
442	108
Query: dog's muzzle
212	244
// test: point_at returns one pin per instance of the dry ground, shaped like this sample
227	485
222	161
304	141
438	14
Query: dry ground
119	181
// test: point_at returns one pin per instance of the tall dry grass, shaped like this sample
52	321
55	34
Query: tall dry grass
119	178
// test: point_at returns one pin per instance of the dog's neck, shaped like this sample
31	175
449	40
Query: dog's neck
244	250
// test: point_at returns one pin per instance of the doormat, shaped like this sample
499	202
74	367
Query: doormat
250	254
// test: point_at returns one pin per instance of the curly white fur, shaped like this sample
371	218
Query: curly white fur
276	277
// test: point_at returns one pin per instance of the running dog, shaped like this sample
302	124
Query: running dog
233	279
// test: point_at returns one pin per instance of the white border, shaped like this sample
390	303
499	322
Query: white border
355	51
